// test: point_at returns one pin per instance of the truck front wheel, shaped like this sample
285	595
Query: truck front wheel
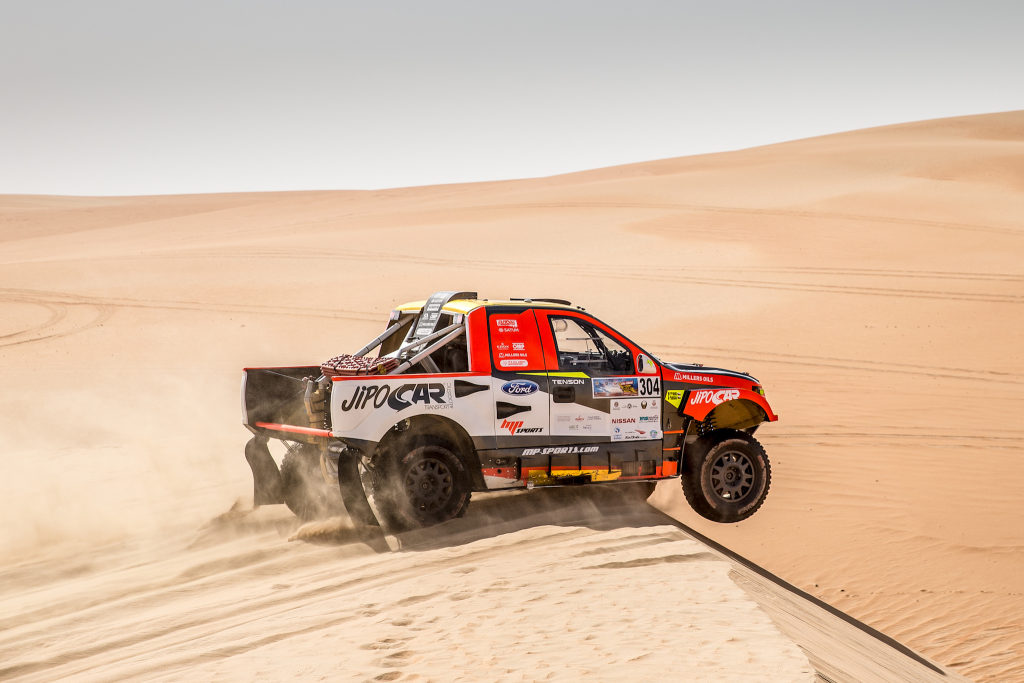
727	476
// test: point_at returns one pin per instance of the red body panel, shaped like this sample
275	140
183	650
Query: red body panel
294	429
479	352
700	402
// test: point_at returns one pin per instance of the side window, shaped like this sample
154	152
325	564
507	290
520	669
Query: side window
515	342
584	348
453	356
394	342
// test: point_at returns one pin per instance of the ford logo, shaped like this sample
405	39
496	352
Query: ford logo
519	387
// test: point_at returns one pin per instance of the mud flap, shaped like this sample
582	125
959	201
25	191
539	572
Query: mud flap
352	494
266	477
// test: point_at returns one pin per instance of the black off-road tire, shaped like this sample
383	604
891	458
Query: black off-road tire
303	487
727	476
424	483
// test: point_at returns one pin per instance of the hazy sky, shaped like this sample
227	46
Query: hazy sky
139	97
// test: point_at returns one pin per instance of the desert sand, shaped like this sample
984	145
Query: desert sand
871	280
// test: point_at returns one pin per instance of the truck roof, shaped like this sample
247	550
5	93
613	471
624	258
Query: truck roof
464	306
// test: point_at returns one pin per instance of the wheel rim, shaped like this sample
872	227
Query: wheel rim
429	485
732	476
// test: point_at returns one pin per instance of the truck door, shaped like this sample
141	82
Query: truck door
519	379
597	394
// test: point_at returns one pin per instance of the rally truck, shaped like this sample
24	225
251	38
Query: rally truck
461	394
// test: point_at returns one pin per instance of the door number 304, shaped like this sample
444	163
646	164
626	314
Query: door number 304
650	386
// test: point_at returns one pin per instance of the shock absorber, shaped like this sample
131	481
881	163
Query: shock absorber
315	400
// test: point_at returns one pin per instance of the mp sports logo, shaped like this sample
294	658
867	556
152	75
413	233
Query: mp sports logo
516	427
511	425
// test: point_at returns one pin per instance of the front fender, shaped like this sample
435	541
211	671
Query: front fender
700	403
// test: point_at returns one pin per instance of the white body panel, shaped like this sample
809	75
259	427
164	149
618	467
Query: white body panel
533	422
367	407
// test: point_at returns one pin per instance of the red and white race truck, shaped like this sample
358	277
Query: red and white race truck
466	394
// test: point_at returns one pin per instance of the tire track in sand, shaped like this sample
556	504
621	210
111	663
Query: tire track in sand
73	313
678	275
752	211
840	363
69	314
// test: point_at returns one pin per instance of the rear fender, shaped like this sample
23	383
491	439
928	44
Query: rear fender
438	426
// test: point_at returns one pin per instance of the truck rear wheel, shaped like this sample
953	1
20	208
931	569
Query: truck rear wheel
727	476
426	484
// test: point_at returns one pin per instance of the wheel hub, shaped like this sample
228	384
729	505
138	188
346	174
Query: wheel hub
732	476
428	484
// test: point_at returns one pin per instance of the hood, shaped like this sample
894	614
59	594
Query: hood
701	374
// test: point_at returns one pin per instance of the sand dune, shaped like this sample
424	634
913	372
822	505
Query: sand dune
540	602
555	585
871	280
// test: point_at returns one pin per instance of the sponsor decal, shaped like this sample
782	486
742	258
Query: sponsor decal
516	427
512	362
609	387
713	396
693	377
520	387
654	434
431	395
632	414
580	420
674	397
560	450
518	346
627	387
507	324
575	381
